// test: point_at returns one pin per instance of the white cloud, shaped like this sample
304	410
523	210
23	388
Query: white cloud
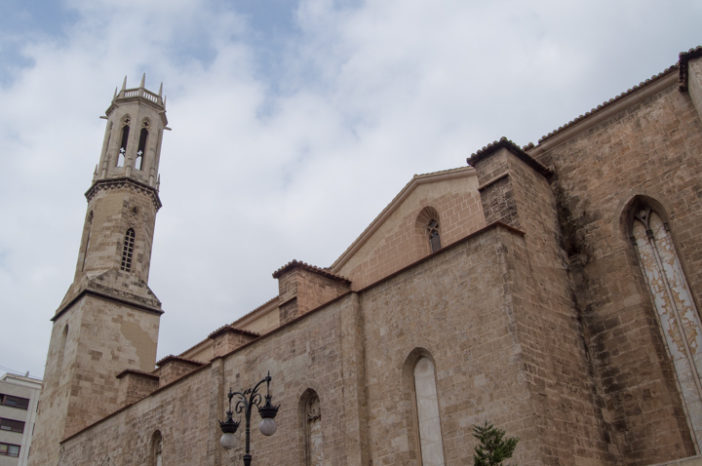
261	168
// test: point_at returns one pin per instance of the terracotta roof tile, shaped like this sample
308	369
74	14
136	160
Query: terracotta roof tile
310	268
607	103
505	143
229	328
170	358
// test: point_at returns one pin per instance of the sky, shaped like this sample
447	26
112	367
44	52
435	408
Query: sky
293	124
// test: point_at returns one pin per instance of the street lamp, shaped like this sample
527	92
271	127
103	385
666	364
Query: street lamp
245	401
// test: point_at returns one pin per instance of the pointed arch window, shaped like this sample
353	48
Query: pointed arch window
312	428
676	311
121	156
143	136
427	225
128	251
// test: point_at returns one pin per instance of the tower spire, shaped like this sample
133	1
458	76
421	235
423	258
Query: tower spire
110	289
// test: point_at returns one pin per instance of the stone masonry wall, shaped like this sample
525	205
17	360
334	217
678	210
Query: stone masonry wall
398	242
554	354
454	307
652	149
305	354
354	353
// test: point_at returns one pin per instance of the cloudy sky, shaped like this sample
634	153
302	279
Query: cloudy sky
294	124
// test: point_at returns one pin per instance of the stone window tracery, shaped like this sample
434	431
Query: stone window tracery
427	224
676	311
128	250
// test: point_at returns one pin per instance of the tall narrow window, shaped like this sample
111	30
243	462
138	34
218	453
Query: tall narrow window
676	311
433	234
88	227
123	143
428	413
312	426
157	449
128	250
143	136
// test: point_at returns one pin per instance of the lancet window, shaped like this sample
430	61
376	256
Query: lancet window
143	136
676	311
427	225
127	251
121	156
312	425
427	404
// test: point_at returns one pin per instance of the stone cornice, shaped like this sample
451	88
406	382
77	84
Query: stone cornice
99	294
124	182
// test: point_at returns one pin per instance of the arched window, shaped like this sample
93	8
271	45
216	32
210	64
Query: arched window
427	404
127	250
123	142
675	309
143	136
427	224
157	449
312	428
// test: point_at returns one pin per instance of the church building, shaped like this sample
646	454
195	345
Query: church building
552	290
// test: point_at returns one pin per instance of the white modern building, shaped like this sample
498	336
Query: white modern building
19	396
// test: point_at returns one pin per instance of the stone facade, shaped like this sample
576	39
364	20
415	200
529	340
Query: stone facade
530	289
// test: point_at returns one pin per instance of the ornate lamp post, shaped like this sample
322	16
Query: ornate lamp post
246	400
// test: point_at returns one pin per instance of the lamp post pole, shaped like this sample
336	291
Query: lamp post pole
245	401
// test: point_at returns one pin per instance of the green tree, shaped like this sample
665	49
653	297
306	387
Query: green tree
494	448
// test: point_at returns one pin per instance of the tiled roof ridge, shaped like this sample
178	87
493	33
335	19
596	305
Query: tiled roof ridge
231	328
607	103
506	143
438	172
172	357
311	268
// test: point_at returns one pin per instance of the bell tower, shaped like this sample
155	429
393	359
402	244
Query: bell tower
109	319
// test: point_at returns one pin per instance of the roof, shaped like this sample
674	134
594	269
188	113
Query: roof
293	264
170	358
504	143
681	66
232	329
